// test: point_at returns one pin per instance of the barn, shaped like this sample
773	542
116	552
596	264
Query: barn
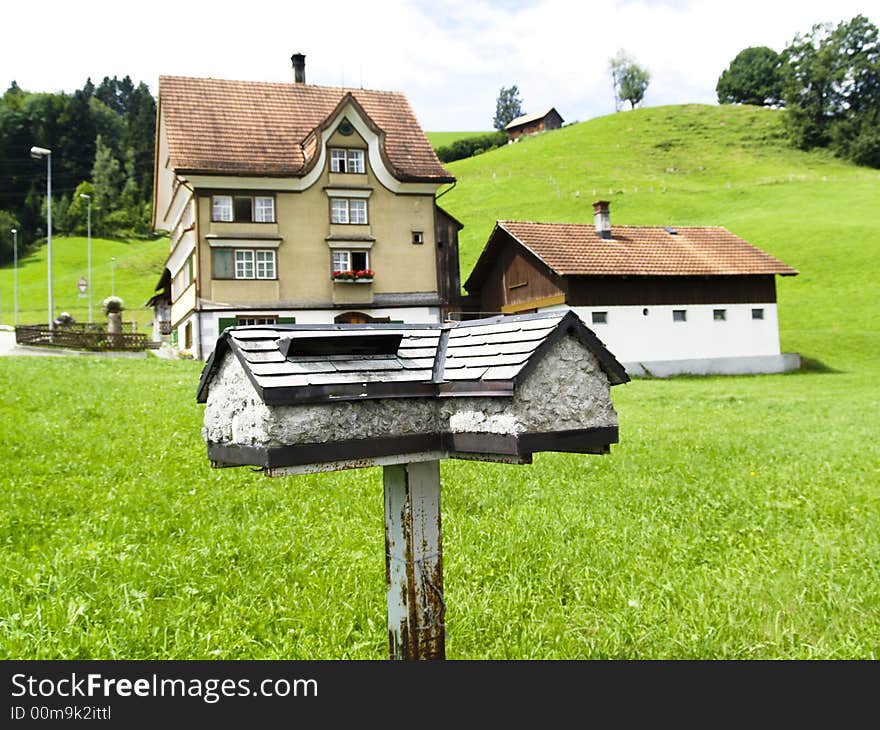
533	123
665	300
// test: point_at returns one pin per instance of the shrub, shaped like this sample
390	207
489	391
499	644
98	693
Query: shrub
462	148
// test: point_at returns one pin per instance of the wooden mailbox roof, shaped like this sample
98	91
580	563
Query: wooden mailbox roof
578	250
479	358
259	128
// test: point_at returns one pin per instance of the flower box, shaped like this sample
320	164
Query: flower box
361	276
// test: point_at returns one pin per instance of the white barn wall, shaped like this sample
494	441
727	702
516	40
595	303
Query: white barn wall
655	343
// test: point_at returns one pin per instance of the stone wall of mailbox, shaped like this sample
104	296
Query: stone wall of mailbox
500	388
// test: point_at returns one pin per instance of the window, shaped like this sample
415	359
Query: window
719	315
346	160
244	263
757	314
679	315
265	264
348	210
253	321
351	261
418	237
221	208
223	263
264	210
600	317
243	208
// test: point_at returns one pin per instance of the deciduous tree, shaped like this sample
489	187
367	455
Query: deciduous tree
630	81
753	77
507	107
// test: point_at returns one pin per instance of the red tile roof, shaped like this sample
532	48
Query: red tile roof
576	249
260	128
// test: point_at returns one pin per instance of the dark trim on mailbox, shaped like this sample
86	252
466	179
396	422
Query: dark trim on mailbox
587	441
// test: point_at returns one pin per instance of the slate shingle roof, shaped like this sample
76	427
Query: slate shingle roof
576	249
478	357
261	128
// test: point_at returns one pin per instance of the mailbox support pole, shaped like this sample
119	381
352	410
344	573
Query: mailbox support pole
414	561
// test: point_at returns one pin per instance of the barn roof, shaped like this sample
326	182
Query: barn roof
578	250
260	128
529	118
321	363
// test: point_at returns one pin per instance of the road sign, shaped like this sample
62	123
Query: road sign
82	285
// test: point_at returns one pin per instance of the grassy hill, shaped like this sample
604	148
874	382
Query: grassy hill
702	165
133	275
738	517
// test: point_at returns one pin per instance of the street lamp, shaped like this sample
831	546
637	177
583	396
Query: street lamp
112	276
15	273
89	198
37	153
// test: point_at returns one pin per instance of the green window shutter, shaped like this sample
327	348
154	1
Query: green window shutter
287	320
224	322
174	337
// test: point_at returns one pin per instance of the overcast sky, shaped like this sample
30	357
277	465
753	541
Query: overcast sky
450	57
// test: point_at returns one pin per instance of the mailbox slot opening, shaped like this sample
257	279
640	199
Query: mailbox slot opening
341	343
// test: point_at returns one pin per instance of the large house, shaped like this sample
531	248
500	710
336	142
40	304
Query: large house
294	203
664	300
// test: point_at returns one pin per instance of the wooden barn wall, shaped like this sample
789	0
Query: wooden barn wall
620	290
448	273
516	277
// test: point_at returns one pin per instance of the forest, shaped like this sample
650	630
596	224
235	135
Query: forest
101	138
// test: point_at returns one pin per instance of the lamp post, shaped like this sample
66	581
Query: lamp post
15	274
112	276
37	153
89	229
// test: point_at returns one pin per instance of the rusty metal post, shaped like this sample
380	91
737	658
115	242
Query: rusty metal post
414	561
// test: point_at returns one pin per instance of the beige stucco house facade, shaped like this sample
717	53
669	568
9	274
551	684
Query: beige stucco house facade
293	203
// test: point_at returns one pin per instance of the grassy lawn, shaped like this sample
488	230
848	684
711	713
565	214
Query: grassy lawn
739	517
133	277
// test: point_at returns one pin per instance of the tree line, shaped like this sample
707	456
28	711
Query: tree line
827	79
102	140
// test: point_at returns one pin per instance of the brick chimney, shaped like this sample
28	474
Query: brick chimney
602	217
299	68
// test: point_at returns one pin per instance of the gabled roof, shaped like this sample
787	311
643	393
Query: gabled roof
572	249
216	126
484	357
529	118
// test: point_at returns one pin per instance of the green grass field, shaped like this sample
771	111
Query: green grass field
133	276
738	517
444	139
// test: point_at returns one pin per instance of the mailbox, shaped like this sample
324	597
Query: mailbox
303	398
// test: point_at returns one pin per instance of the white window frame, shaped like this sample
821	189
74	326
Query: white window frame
719	315
345	255
255	321
600	317
221	208
677	318
264	258
349	211
244	263
255	263
758	313
347	160
264	209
